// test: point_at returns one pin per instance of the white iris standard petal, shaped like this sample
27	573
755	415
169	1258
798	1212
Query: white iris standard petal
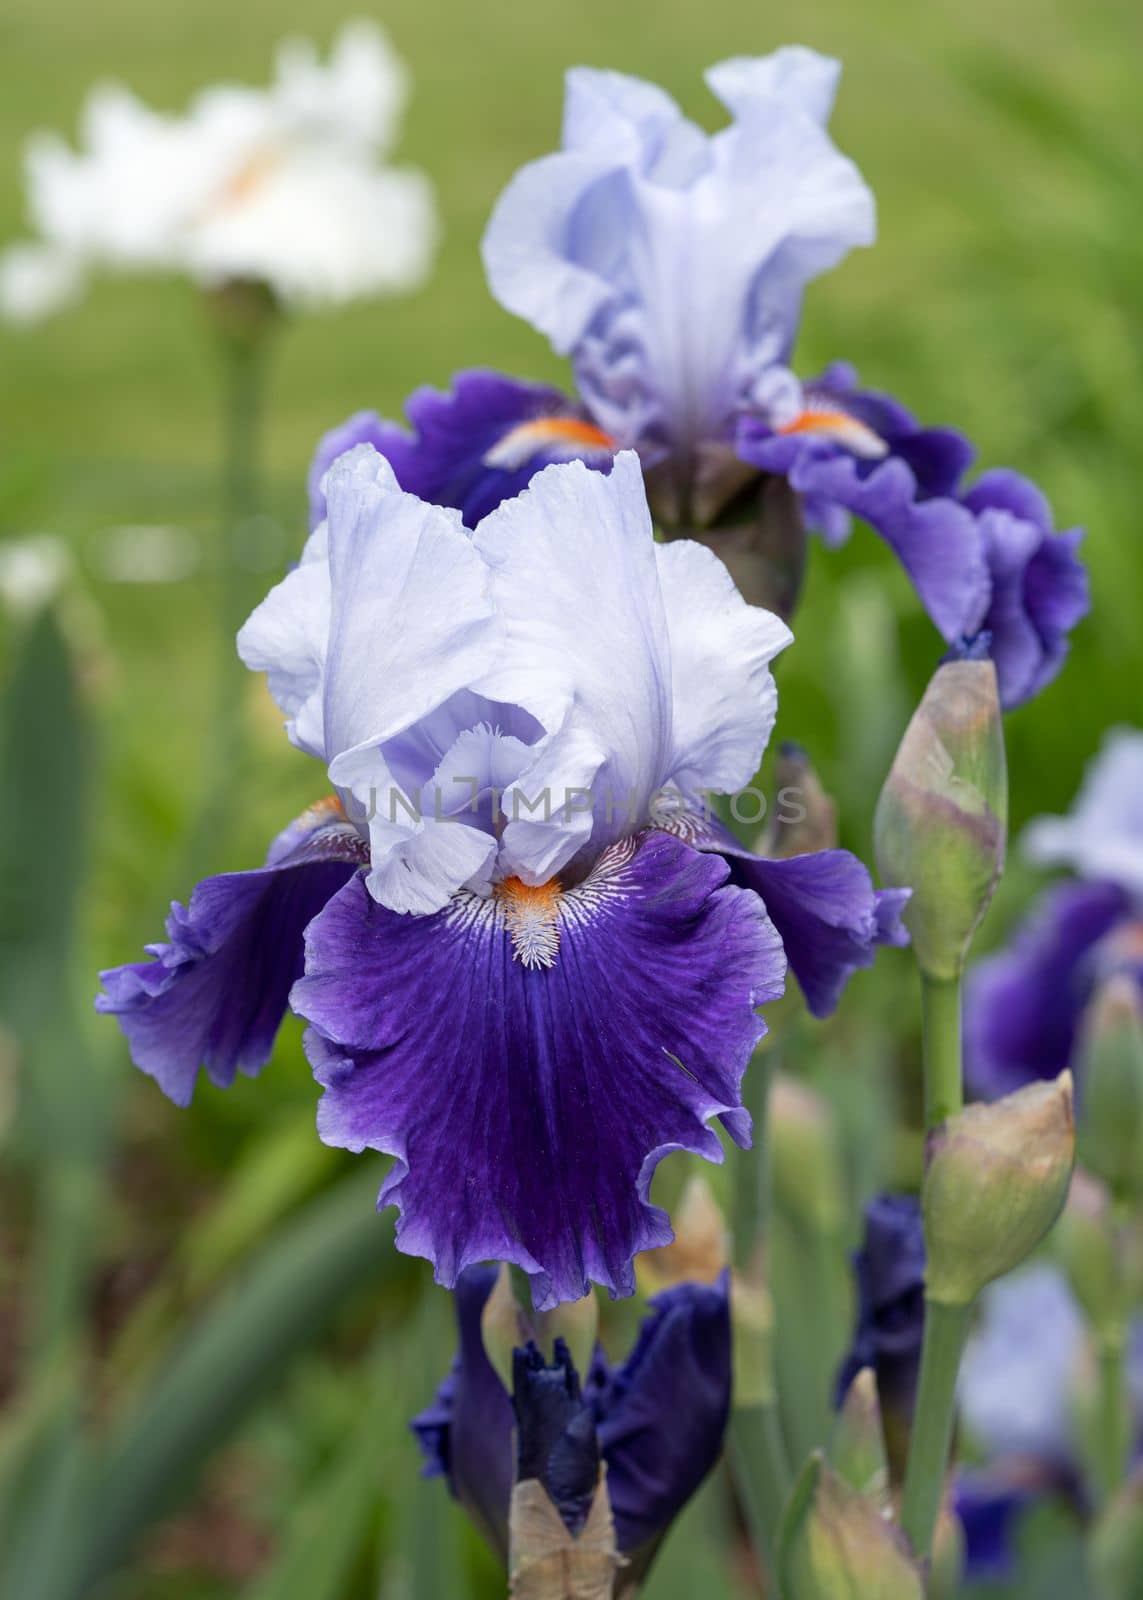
509	703
725	701
670	263
287	636
587	652
1103	836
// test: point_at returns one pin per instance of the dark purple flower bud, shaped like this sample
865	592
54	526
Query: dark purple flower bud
657	1421
556	1441
890	1273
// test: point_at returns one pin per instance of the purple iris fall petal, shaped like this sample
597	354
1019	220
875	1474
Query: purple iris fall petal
902	491
890	1273
1040	588
528	1105
989	1509
830	917
659	1418
471	447
983	557
1023	1005
215	993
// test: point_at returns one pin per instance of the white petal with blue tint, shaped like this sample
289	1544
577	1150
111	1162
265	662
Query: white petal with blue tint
670	264
575	581
1103	836
287	636
724	697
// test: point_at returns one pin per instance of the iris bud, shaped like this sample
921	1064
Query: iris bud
941	822
752	1319
858	1447
1088	1249
804	817
561	1531
996	1179
804	1155
836	1545
508	1322
1111	1105
700	1250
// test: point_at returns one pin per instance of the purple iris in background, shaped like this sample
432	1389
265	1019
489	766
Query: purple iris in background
528	969
890	1272
1018	1390
1023	1005
670	266
657	1421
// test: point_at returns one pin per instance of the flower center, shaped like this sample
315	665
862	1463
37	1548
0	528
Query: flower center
243	184
532	917
567	436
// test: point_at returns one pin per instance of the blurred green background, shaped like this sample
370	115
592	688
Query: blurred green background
1005	295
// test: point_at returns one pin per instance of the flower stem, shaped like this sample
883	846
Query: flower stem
946	1329
1112	1439
762	1472
944	1083
243	363
758	1450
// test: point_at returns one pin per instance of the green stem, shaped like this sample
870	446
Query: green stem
758	1449
946	1329
752	1196
762	1472
1113	1439
244	368
944	1082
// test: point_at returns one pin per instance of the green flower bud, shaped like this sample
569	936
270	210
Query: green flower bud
942	819
805	1161
857	1449
1111	1108
508	1322
836	1545
804	816
752	1320
1088	1247
504	1326
996	1179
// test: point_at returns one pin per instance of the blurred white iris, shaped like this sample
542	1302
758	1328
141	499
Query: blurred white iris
284	186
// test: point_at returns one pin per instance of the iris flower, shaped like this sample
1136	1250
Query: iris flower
657	1421
284	186
1020	1386
669	265
1024	1004
529	956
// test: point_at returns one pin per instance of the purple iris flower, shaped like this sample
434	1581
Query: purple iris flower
890	1273
1017	1391
1023	1005
670	266
529	966
657	1420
